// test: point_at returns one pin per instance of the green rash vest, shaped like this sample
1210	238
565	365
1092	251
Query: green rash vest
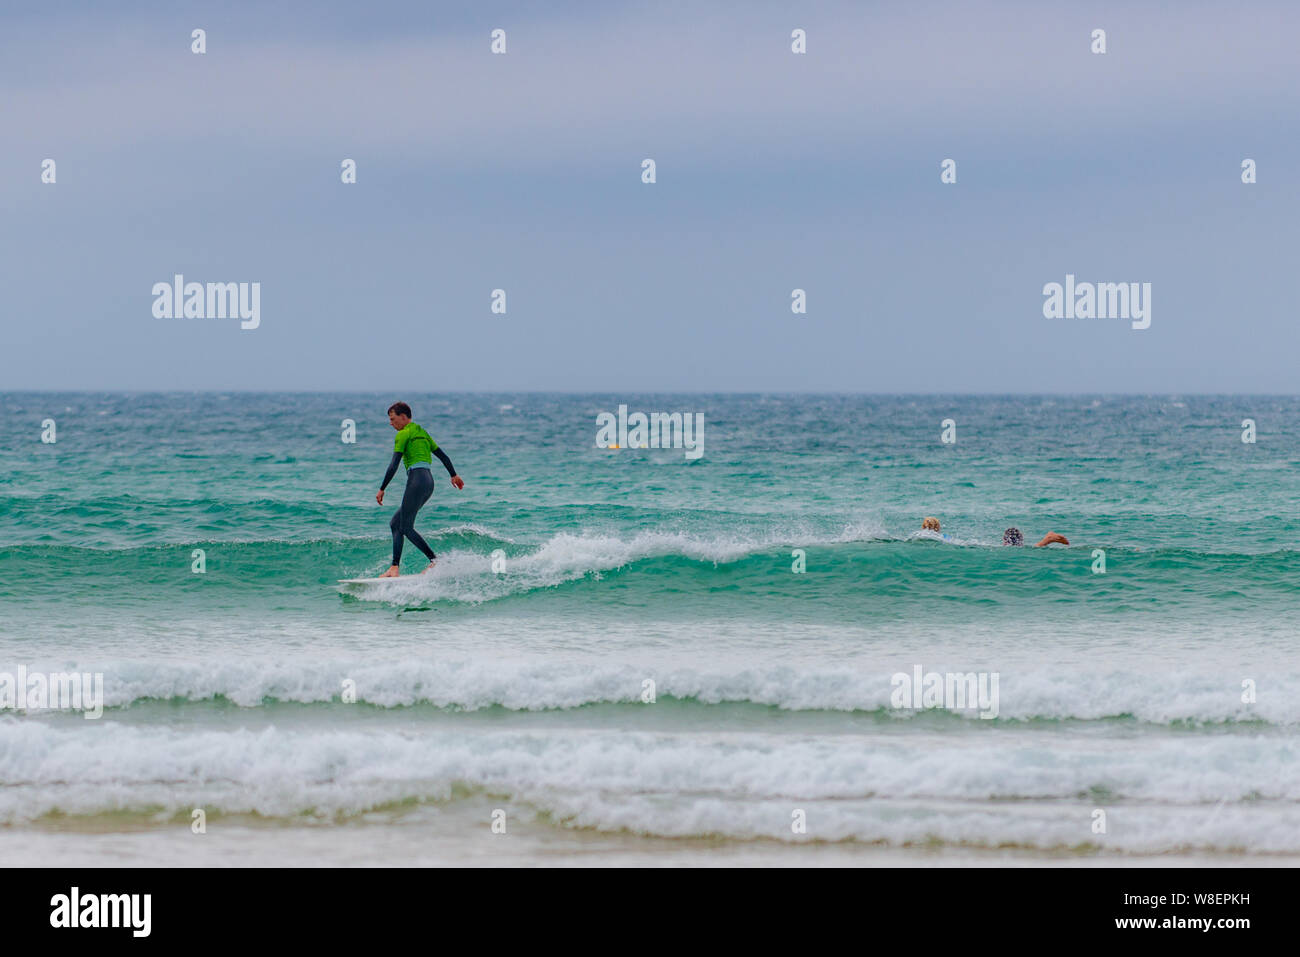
415	444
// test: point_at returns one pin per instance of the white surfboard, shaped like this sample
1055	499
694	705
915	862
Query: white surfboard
373	581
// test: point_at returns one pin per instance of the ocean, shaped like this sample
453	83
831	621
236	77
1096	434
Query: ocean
636	656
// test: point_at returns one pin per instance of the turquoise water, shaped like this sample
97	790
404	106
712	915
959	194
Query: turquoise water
524	687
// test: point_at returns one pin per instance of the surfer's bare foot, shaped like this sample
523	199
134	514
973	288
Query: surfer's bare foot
431	564
393	572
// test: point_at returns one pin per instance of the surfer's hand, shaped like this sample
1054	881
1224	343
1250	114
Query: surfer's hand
457	481
379	496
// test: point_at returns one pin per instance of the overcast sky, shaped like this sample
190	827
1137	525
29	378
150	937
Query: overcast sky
775	171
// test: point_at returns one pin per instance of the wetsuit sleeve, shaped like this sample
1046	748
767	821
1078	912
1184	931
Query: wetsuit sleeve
446	462
392	470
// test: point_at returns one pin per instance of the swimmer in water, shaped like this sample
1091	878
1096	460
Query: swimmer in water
931	524
1012	536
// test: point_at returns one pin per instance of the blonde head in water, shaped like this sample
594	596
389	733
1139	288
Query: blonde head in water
931	523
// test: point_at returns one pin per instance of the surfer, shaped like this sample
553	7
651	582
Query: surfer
416	448
1012	536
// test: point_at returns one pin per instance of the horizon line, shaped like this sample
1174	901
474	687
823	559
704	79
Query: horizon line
631	392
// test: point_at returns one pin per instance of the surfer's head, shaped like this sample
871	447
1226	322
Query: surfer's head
930	523
399	415
1012	536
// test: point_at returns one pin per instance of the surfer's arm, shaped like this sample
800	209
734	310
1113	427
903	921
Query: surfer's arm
1052	538
456	480
392	470
446	462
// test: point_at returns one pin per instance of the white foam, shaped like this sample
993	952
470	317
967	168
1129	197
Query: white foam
1159	697
468	576
1160	793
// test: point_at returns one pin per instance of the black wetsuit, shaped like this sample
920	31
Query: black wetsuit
419	486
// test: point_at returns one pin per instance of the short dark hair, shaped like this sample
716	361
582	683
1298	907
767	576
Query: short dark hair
401	408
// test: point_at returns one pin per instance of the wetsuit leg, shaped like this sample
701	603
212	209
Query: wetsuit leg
419	486
396	525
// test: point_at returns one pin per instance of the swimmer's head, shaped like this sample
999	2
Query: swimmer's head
1012	536
931	523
